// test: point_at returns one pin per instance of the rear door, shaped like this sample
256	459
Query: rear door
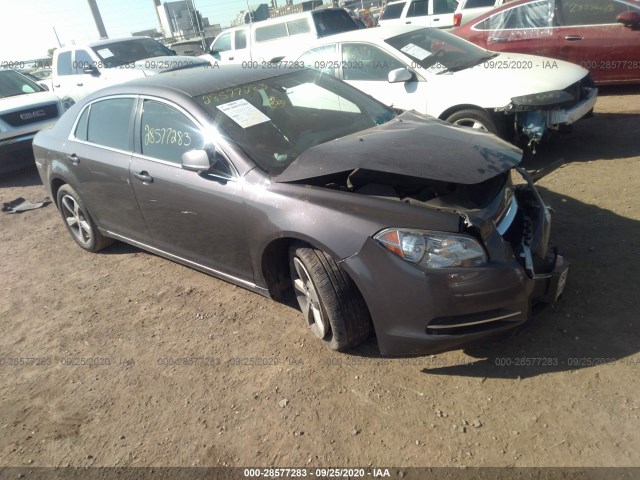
98	154
394	14
591	37
418	13
441	13
196	217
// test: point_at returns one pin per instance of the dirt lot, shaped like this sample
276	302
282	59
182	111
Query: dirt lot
563	393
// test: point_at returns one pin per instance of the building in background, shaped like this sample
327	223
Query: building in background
180	19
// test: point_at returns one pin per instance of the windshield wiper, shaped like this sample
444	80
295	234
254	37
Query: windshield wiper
457	68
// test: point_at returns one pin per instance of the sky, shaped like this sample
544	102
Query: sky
26	26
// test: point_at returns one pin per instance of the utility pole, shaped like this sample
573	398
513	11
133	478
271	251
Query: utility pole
98	19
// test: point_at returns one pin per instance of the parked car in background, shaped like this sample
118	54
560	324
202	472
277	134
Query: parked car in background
602	36
278	37
193	47
427	13
437	73
81	69
296	184
25	108
467	10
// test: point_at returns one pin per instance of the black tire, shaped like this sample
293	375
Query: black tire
78	221
345	319
475	118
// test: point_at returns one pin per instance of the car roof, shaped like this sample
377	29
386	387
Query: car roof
196	81
99	43
510	4
372	34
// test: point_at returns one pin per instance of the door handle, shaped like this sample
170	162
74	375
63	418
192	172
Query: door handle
56	85
435	20
408	23
573	38
144	177
498	39
74	158
231	58
79	84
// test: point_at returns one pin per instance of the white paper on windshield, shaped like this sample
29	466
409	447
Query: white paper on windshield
415	51
105	53
243	113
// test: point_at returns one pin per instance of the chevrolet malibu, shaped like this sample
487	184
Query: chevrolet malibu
291	183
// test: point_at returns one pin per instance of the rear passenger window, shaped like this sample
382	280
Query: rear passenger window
83	123
418	8
109	123
168	133
298	26
529	15
64	64
271	32
392	11
240	39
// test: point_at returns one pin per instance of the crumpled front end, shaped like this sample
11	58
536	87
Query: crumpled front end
432	310
534	115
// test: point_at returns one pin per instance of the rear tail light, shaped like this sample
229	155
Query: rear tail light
457	19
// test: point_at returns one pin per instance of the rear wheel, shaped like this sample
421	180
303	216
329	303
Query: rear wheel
78	222
330	302
474	118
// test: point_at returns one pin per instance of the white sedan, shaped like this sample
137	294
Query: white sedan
518	97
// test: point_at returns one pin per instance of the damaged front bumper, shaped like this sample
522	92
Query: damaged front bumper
533	122
433	310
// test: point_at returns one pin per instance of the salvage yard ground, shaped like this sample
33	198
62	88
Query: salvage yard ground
257	389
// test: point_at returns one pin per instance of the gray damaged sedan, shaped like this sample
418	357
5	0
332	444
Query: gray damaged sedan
294	183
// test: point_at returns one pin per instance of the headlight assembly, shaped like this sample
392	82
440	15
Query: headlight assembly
432	249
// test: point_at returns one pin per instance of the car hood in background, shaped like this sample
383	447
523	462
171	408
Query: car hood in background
412	145
155	65
27	100
509	75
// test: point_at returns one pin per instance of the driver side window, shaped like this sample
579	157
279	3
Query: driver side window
223	43
167	133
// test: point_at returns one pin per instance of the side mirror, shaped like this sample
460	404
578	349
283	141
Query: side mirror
629	19
90	70
400	75
196	161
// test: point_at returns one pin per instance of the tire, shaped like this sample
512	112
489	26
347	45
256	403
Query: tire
330	301
475	118
78	222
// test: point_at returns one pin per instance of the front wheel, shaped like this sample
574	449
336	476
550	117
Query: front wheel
330	302
78	222
474	118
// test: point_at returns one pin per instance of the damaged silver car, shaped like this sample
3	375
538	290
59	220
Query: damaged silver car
296	185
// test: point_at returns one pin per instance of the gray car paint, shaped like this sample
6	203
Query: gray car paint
238	228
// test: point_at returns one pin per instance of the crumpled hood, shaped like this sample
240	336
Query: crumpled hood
414	145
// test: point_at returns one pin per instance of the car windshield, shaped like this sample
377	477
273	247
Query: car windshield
129	51
13	84
276	119
439	51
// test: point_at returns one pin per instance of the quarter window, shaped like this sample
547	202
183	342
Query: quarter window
109	123
167	133
362	61
83	124
444	6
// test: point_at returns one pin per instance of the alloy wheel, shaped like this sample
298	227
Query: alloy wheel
308	299
76	220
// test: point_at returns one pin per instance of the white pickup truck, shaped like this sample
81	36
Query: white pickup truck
79	70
